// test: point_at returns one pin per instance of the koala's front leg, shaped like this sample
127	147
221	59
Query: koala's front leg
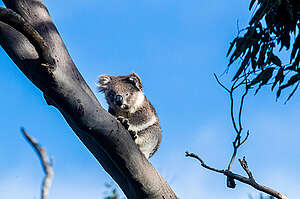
125	122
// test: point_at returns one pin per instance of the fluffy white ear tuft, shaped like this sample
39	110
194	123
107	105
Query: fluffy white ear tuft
136	80
103	82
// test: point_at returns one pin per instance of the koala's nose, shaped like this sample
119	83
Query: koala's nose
119	100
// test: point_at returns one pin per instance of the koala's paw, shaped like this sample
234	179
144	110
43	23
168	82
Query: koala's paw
133	134
124	121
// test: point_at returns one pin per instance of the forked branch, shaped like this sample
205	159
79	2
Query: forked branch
238	141
16	21
46	163
237	123
247	180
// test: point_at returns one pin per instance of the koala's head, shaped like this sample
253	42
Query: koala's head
123	93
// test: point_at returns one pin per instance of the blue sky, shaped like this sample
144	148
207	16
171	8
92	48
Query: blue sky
175	47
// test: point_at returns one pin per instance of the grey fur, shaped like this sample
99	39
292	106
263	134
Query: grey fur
127	102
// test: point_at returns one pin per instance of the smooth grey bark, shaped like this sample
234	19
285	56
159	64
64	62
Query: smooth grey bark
65	88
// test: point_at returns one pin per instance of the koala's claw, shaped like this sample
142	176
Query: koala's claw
133	134
124	121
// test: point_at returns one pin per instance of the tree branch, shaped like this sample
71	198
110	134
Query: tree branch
13	19
65	88
238	128
250	180
242	80
46	164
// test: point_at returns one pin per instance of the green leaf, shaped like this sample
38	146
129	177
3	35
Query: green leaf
275	60
262	54
284	38
297	60
241	47
253	63
262	10
292	93
251	4
278	78
263	77
293	68
294	79
296	47
231	45
255	49
278	93
243	65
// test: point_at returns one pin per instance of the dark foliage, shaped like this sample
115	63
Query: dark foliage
274	26
112	192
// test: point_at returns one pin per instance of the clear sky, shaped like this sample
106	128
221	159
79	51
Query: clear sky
175	47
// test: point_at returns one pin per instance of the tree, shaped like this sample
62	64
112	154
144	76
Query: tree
45	61
31	39
271	28
274	26
240	139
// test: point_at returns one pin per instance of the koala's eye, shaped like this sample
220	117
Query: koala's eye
127	94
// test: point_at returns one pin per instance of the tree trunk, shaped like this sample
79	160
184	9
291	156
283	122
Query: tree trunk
64	87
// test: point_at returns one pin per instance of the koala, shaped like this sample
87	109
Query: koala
127	102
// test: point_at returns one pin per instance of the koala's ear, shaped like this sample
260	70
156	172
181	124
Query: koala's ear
136	80
103	81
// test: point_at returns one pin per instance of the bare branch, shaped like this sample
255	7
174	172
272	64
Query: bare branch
238	128
222	85
233	87
242	80
193	155
46	164
244	164
236	84
236	143
233	155
244	140
241	107
250	180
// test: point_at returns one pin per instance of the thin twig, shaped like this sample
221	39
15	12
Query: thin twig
247	180
241	108
46	164
221	84
193	155
237	123
232	108
237	142
243	99
244	164
247	135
